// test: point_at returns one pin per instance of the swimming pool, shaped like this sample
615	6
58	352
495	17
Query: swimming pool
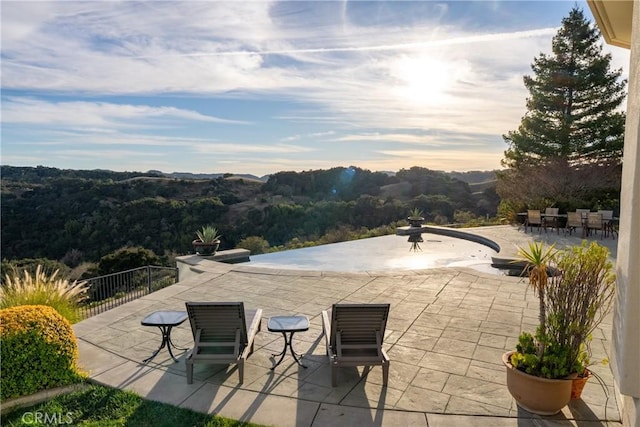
383	253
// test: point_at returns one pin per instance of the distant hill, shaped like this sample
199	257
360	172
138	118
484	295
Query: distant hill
85	214
474	177
189	175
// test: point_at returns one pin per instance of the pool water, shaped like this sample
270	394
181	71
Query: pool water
383	253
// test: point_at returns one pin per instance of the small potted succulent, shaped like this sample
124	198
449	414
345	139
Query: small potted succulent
575	287
208	241
415	217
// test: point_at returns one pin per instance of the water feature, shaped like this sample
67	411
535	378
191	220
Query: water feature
383	254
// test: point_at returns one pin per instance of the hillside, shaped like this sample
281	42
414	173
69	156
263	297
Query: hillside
48	212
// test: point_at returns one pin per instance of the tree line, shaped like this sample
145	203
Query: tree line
567	150
78	216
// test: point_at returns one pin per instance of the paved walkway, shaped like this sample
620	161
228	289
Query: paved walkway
447	331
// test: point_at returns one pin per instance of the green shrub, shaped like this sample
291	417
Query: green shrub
551	364
573	302
43	289
38	352
255	244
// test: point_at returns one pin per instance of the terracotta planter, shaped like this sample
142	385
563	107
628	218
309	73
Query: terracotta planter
578	385
537	395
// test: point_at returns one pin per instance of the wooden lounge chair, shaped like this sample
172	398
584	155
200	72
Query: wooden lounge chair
354	336
220	334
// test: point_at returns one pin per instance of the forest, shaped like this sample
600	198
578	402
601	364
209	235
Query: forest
78	216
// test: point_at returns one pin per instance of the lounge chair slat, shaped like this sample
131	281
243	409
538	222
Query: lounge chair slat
220	334
354	336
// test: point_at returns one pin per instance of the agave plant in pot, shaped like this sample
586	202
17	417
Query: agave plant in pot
575	288
415	217
208	241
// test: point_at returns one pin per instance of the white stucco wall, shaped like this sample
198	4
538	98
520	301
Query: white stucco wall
626	322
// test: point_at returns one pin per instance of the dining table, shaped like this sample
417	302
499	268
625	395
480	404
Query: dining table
555	218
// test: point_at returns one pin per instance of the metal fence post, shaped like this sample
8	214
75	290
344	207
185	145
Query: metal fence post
149	278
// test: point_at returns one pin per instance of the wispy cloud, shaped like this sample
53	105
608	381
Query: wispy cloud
284	80
484	38
81	114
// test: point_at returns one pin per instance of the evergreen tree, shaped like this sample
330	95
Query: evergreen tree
567	150
573	105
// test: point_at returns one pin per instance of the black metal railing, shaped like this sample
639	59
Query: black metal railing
112	290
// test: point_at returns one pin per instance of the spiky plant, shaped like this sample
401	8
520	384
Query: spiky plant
538	259
42	288
208	234
415	213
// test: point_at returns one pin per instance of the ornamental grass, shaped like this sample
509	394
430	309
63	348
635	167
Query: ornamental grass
43	288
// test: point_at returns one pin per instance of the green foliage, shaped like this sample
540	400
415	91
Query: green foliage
541	356
538	260
83	215
15	266
338	183
126	259
559	183
104	406
573	302
570	140
42	288
208	234
416	213
579	296
255	244
508	210
572	109
38	352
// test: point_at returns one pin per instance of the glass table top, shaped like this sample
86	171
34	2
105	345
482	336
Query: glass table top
288	323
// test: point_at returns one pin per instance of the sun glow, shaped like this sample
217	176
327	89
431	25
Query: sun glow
422	79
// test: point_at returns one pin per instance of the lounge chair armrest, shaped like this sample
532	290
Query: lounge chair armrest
326	328
252	332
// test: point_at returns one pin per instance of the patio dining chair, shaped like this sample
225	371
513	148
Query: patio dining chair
534	217
574	221
551	218
594	222
607	222
354	336
584	213
221	335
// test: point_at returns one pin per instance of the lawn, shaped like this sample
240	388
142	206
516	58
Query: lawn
104	406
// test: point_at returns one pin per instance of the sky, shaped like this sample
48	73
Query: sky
268	86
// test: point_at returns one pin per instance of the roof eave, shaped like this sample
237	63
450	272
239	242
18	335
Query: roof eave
614	18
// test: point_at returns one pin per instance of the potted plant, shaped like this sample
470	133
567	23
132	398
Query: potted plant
575	288
415	217
207	242
584	373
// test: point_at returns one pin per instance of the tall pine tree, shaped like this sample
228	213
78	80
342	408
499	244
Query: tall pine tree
573	105
567	150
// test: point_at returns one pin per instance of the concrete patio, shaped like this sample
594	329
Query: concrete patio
447	331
